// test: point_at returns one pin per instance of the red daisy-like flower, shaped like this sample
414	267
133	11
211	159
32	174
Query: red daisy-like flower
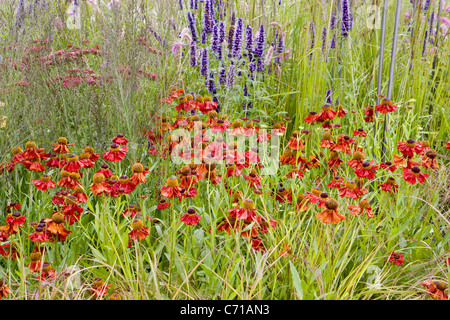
34	166
410	147
55	226
350	190
389	185
294	173
14	221
171	188
414	175
13	206
396	258
327	141
429	160
253	179
330	214
369	112
386	106
139	173
191	218
337	182
139	232
246	212
163	204
62	146
115	153
85	161
40	234
93	156
388	165
99	289
359	133
44	183
341	112
295	143
367	170
312	117
436	289
363	206
98	186
327	113
120	139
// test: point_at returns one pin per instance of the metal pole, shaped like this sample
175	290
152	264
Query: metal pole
380	71
391	73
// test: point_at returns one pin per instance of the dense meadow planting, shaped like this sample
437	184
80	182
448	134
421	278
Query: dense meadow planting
224	150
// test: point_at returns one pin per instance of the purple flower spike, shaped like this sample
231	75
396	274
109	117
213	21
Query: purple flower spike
191	21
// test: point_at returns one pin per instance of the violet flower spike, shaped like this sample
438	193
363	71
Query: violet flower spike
204	65
237	40
345	21
191	22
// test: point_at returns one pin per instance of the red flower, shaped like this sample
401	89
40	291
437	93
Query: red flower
233	170
13	205
104	169
115	153
389	185
39	234
119	139
171	189
44	183
35	257
191	218
413	175
429	160
337	182
139	232
388	166
254	180
47	272
350	190
386	106
138	174
99	289
4	290
85	161
294	173
369	112
410	147
34	166
330	214
367	170
341	112
163	204
327	141
98	186
447	145
247	212
436	289
93	156
295	143
14	221
327	113
71	210
62	146
363	206
396	258
312	117
55	225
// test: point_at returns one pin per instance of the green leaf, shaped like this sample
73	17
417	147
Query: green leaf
296	281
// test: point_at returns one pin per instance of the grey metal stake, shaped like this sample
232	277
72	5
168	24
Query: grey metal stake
380	71
391	74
